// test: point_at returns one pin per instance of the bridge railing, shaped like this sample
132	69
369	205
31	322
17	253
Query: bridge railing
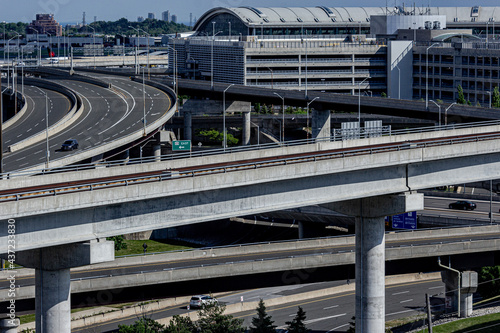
219	151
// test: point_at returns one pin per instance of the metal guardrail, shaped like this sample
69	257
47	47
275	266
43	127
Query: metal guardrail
230	150
176	174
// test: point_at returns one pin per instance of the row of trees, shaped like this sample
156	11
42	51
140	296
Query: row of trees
495	98
120	27
213	320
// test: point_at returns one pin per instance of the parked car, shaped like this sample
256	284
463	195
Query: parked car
199	301
463	204
69	144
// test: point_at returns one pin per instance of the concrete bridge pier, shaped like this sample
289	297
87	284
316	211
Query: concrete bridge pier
9	325
157	152
370	252
468	286
52	274
246	128
321	123
188	125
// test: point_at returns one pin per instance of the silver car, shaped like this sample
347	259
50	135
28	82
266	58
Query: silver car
199	301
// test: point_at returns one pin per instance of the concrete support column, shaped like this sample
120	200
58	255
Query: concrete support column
321	123
246	128
370	252
370	274
157	152
53	300
188	125
9	325
301	230
52	274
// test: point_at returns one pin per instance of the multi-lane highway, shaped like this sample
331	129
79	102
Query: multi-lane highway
329	313
108	114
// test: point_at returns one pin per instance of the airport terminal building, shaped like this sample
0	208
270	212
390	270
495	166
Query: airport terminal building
345	50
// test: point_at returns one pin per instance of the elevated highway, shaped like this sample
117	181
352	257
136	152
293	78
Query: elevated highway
111	117
403	249
367	178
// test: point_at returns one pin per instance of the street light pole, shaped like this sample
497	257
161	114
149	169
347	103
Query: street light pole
439	106
399	82
272	79
149	71
212	58
46	126
446	113
307	117
1	130
224	143
37	45
359	101
283	123
144	100
176	90
93	47
427	76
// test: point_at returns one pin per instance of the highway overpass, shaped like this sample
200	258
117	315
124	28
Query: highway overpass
242	261
355	177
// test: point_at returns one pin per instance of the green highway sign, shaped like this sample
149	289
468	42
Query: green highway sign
181	145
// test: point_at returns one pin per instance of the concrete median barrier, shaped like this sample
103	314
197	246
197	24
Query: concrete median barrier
19	113
63	123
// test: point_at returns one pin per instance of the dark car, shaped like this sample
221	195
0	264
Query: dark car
69	144
463	205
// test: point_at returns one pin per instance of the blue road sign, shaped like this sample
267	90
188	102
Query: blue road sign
405	221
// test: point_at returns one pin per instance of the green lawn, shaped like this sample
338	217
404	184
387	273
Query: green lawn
135	247
484	324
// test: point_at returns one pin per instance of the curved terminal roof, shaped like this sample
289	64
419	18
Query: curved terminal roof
321	15
450	36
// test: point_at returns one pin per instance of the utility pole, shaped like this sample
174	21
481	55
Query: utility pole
429	313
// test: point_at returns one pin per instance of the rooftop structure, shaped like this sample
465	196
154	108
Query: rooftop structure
45	24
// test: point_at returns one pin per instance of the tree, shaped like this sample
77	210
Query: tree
180	324
143	325
262	323
297	324
489	281
495	98
461	97
383	95
213	320
120	243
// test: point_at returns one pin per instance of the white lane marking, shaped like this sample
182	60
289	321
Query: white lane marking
403	292
395	313
330	307
129	109
406	301
324	318
436	287
336	328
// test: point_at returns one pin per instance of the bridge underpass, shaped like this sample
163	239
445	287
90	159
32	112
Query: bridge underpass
189	196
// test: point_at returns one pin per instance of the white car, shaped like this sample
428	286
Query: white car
199	301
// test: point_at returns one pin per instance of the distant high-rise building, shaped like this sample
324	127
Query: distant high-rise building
190	19
165	16
151	16
45	23
140	18
174	18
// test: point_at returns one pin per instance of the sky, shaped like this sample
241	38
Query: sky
71	11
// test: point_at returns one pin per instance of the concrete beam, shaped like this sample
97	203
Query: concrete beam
68	255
